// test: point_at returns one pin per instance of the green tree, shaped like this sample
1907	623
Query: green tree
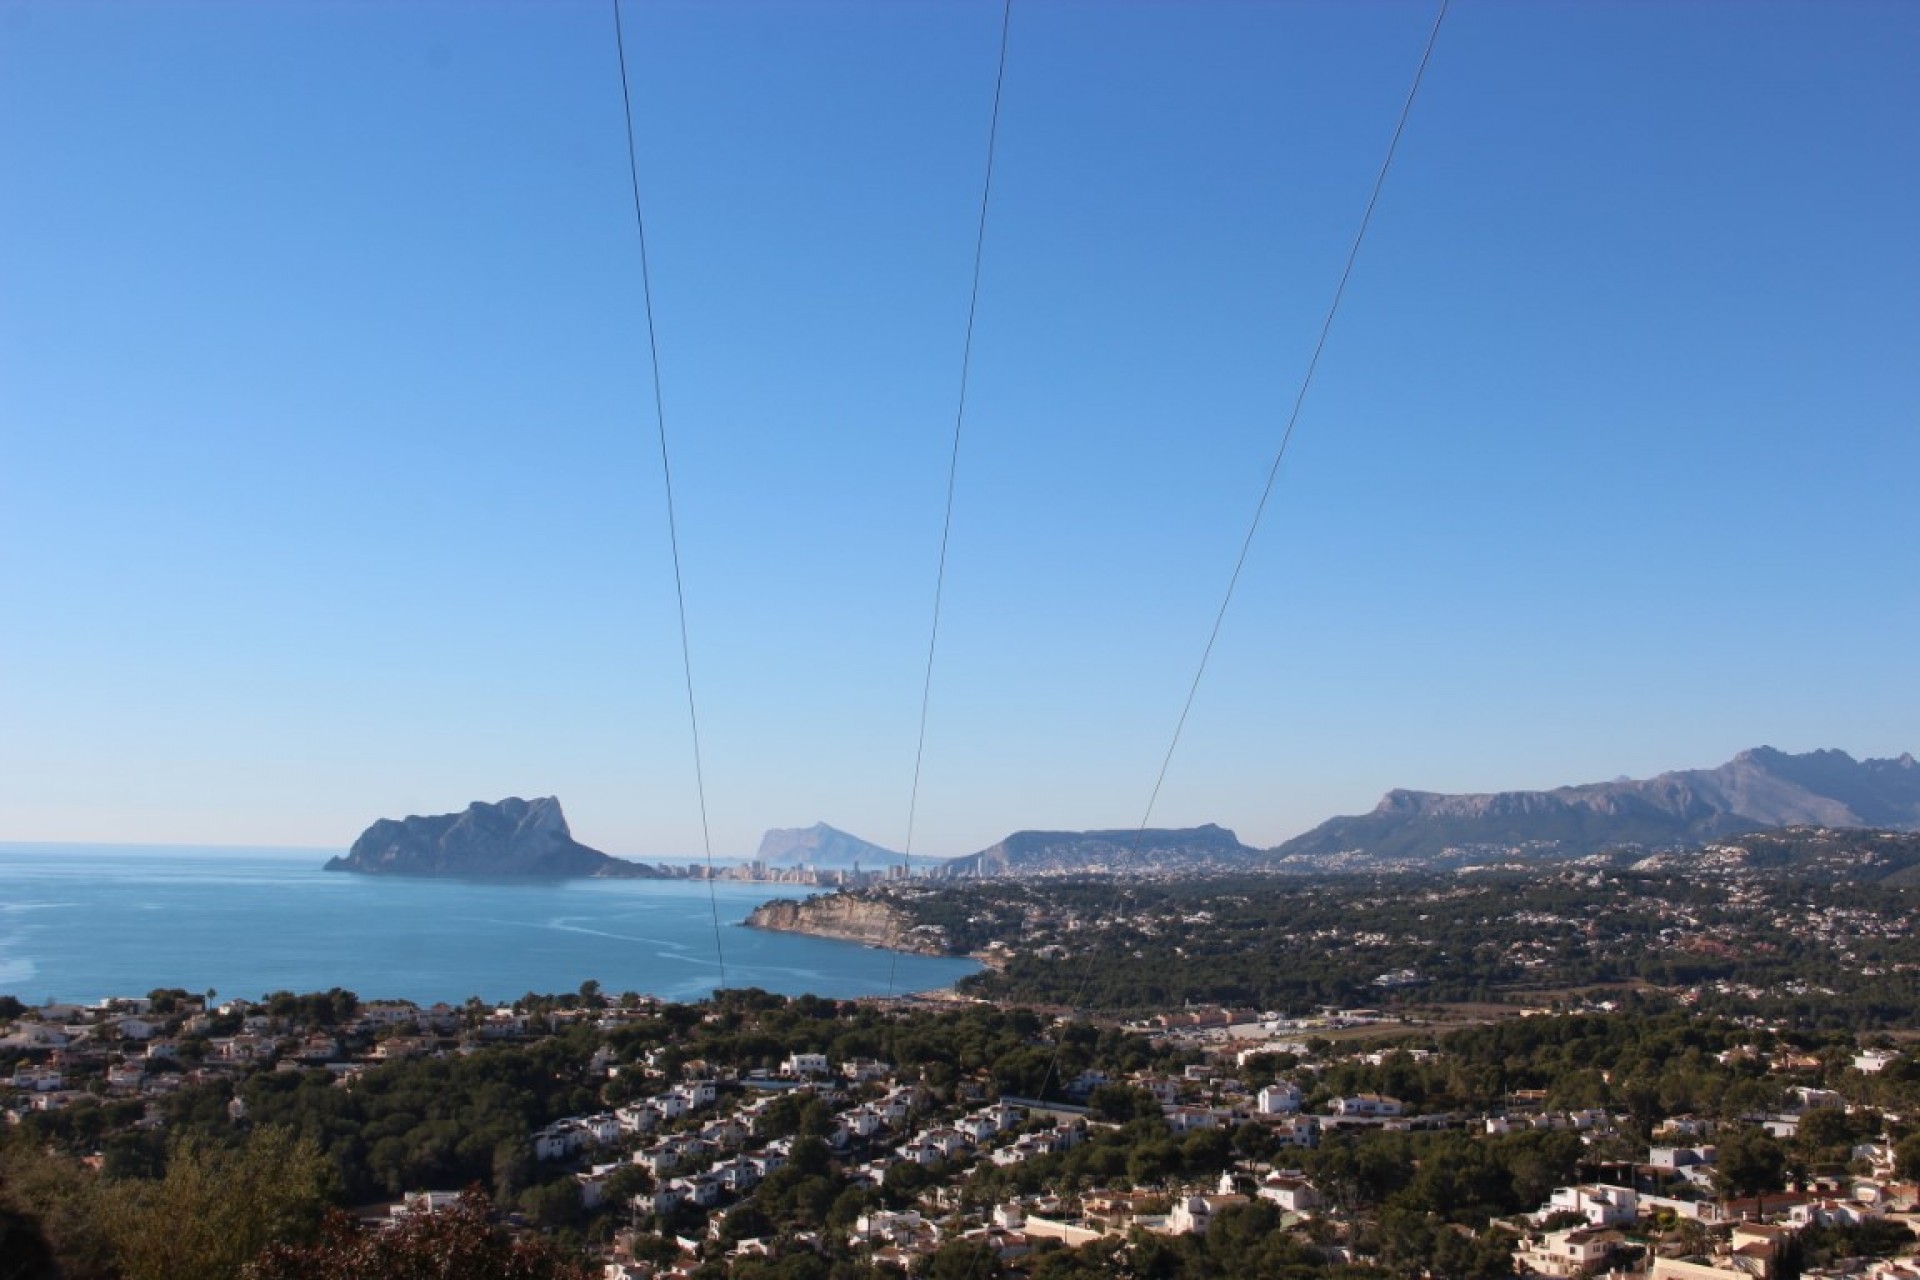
961	1260
216	1207
52	1200
1120	1103
1749	1162
554	1205
1824	1133
1906	1155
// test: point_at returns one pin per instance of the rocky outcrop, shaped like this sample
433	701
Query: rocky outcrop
1756	790
822	846
849	917
514	838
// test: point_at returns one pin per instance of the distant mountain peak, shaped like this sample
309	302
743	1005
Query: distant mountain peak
821	845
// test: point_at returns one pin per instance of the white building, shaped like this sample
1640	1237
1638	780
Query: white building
1282	1097
1601	1206
1294	1195
1572	1252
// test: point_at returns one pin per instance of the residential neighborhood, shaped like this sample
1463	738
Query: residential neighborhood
670	1175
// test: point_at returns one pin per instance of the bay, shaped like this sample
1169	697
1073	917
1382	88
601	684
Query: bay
82	922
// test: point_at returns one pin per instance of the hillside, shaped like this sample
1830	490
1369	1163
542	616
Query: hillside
1756	790
1040	853
1822	855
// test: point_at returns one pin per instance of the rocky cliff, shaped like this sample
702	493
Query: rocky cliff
1756	790
512	838
849	917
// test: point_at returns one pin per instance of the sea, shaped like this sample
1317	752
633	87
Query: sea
79	923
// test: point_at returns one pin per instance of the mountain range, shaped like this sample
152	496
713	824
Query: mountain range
1761	789
1756	790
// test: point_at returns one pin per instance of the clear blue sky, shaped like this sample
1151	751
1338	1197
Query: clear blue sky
328	484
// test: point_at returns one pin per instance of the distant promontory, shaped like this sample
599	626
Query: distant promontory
822	846
849	917
514	838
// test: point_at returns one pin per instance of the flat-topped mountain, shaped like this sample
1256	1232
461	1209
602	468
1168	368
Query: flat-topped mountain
512	838
1029	853
1756	790
821	846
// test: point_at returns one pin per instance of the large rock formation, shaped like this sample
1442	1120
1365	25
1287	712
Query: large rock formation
1756	790
512	838
822	846
1026	853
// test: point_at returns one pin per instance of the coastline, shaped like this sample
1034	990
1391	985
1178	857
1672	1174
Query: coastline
116	921
846	919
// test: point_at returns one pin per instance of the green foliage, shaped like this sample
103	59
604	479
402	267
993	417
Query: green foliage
1878	1238
903	1181
1825	1134
215	1208
1416	1245
1906	1156
315	1010
554	1205
52	1202
456	1243
426	1122
796	1113
1749	1161
1119	1104
961	1260
1450	1175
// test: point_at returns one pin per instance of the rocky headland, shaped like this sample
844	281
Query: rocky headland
514	838
844	916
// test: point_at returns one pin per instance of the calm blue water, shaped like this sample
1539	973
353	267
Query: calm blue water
79	922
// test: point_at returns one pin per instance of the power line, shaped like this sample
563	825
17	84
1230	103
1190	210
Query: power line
1299	403
1273	471
666	474
953	458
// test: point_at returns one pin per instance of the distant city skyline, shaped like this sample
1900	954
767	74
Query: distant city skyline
328	480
